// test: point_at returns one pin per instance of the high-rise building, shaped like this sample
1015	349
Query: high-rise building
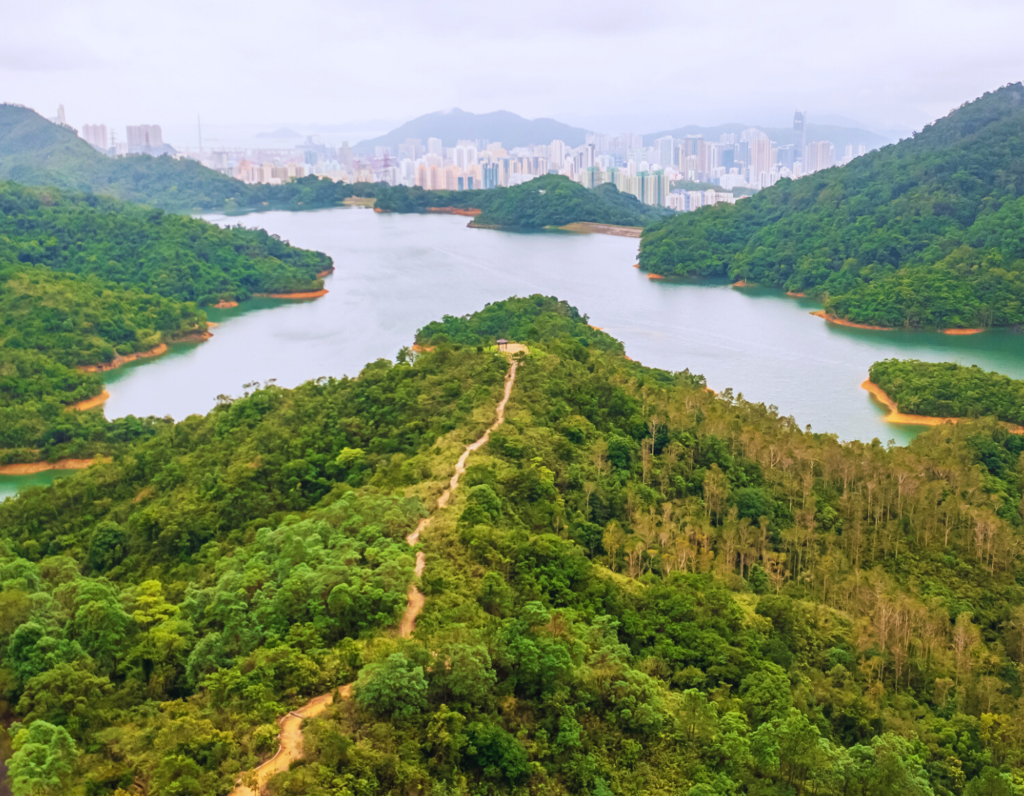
819	155
96	134
556	154
799	133
761	161
435	147
663	147
144	136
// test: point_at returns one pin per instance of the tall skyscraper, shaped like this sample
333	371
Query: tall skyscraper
663	146
435	147
96	134
799	135
144	136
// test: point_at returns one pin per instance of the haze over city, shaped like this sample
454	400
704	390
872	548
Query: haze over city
890	67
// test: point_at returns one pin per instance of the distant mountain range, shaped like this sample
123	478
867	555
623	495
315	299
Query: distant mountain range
281	133
510	129
513	130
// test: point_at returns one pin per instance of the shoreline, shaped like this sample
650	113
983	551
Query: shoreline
311	294
124	359
224	305
328	272
89	403
160	350
743	283
31	468
595	228
851	324
961	331
456	211
897	417
793	294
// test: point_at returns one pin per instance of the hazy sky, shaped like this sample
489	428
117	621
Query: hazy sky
890	64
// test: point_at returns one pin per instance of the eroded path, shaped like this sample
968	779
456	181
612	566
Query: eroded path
290	744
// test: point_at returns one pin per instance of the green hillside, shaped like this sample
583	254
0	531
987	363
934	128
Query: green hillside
924	233
164	253
637	587
87	279
33	151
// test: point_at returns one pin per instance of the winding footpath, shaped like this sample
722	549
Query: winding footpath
290	739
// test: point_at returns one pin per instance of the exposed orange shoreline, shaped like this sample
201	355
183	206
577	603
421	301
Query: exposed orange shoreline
312	294
591	227
32	468
456	211
224	305
328	272
851	324
89	403
793	294
120	360
743	283
655	276
962	331
900	418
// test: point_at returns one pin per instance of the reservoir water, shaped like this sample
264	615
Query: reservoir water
394	273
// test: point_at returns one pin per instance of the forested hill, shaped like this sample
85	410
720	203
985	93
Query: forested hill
34	151
85	280
551	200
638	587
923	233
171	255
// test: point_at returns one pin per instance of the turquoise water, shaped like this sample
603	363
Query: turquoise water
395	273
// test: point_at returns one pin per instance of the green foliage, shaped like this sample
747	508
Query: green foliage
923	233
170	255
946	389
638	587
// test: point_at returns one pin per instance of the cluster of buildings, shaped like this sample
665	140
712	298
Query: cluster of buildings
680	173
140	139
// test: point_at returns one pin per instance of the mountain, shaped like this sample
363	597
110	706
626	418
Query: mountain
34	151
628	586
280	133
922	234
841	136
451	126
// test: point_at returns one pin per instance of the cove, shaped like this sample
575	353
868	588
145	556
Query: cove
395	273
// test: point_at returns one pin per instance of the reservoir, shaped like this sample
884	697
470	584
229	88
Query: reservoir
395	273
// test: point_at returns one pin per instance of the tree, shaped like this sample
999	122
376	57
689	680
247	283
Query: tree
43	761
395	688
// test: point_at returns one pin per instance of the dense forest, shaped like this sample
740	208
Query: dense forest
924	233
946	389
548	201
85	280
170	255
638	588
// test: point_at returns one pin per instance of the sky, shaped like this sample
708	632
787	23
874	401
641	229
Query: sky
889	65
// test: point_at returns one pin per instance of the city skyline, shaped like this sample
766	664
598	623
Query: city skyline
781	57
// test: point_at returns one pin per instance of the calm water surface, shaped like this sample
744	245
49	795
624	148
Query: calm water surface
396	273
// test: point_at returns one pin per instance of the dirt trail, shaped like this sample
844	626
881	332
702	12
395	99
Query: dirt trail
290	745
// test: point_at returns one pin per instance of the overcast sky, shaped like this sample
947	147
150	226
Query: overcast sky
889	64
